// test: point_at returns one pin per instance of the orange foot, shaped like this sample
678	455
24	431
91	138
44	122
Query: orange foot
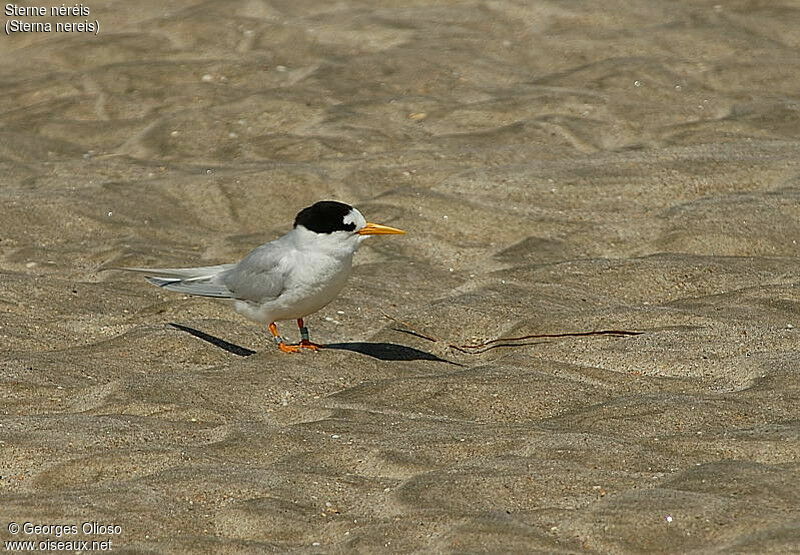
286	348
289	348
306	344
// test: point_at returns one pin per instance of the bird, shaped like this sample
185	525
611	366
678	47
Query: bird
289	278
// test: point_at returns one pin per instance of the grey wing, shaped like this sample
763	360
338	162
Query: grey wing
260	276
204	281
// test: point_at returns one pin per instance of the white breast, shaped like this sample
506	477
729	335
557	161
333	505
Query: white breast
311	282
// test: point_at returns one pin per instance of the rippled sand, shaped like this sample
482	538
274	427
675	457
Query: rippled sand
561	167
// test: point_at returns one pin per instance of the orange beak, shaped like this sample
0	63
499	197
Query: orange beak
378	229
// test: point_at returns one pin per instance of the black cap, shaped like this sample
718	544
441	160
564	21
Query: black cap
325	216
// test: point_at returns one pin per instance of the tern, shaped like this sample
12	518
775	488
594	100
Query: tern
289	278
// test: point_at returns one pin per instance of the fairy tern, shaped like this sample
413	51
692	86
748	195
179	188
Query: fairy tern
289	278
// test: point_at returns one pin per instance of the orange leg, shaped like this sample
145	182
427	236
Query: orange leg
280	341
304	341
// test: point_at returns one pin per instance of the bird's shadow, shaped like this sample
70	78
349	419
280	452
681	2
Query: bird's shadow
381	351
232	348
388	351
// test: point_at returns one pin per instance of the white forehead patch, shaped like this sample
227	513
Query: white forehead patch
355	217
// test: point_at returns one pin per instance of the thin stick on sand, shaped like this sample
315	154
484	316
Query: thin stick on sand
504	341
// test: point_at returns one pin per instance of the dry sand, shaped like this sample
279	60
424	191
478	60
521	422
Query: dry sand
560	167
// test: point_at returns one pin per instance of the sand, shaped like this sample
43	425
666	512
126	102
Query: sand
560	167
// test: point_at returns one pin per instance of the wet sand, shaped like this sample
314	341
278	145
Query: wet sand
560	167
